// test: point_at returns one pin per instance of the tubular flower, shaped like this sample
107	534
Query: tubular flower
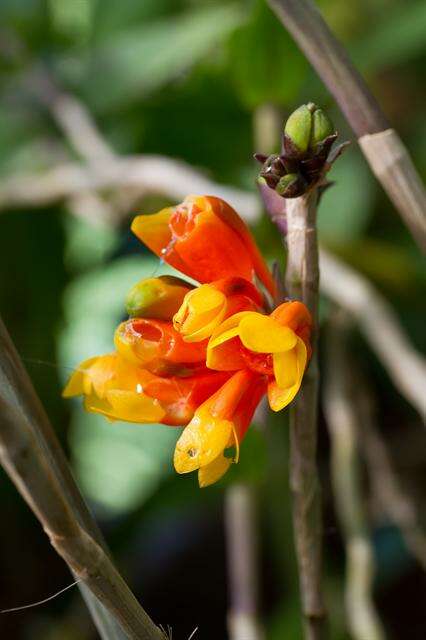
201	357
156	346
276	346
219	423
205	239
204	308
121	391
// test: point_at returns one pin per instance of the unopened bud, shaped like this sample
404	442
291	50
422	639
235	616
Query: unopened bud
157	298
297	130
322	128
291	186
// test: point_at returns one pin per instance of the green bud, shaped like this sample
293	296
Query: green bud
322	127
158	298
291	186
298	127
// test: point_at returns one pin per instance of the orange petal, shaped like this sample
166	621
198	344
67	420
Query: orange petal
232	219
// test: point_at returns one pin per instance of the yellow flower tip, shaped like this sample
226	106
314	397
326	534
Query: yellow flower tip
211	473
201	312
77	384
263	334
201	442
289	368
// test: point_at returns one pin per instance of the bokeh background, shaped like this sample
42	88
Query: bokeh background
203	82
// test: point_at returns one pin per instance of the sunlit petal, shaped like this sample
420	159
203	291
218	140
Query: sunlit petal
262	334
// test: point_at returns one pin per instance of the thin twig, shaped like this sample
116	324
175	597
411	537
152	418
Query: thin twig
31	455
342	420
381	327
150	174
302	280
242	558
381	145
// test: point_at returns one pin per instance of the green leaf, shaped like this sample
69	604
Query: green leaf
143	59
265	63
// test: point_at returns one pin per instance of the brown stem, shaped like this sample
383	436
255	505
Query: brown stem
31	455
381	145
302	280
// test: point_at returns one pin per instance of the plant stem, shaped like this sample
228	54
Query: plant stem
31	455
302	281
380	144
343	422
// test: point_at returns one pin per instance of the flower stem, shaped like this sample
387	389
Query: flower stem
302	281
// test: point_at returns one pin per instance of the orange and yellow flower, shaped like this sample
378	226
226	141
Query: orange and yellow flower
201	357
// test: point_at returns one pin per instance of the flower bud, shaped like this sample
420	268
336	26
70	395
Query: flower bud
157	298
322	128
291	186
297	131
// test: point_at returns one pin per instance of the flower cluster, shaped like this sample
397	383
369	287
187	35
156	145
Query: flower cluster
202	356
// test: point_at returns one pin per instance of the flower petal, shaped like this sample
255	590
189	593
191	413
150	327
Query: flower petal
262	334
201	442
214	471
76	384
289	368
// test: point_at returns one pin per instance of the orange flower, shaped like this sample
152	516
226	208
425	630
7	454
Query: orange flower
120	390
205	239
276	346
219	423
156	346
200	356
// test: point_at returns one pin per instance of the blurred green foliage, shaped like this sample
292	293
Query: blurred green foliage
184	79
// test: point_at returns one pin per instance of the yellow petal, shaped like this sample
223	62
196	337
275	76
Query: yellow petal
212	472
201	442
289	368
154	229
134	407
262	334
76	384
201	312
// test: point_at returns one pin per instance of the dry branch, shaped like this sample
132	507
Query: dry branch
150	174
342	419
381	327
399	178
31	455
